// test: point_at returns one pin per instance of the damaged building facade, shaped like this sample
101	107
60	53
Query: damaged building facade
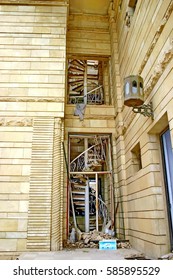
72	154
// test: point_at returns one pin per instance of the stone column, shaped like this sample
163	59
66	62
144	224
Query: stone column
57	188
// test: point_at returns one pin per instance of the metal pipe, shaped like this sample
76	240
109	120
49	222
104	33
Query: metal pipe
85	83
90	172
86	152
97	205
87	219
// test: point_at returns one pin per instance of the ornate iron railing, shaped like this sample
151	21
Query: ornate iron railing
94	96
103	212
92	156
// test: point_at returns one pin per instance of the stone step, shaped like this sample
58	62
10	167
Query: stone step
81	203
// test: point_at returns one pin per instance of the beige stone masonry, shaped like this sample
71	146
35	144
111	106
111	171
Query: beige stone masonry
14	181
58	188
33	57
88	35
34	2
40	193
145	48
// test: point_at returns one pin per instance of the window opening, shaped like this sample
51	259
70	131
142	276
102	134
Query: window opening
136	158
85	81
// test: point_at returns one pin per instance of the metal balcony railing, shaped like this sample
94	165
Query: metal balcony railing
94	96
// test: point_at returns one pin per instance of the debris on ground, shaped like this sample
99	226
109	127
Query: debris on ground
91	240
139	256
123	244
167	257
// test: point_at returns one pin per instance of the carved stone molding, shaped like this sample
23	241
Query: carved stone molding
159	68
30	99
34	2
156	37
16	122
93	117
120	131
58	122
111	12
158	71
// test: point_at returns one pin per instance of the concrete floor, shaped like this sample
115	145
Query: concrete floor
79	254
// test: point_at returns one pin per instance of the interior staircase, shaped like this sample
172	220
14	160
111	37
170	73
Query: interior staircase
93	158
78	200
78	194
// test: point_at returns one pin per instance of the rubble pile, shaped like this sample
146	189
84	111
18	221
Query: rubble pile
91	240
123	244
138	256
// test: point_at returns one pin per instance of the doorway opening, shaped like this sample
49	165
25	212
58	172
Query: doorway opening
91	197
167	154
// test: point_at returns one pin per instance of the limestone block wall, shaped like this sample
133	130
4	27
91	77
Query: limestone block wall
32	59
145	48
88	35
32	93
15	154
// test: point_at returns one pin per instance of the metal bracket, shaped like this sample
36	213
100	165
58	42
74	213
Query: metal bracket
146	110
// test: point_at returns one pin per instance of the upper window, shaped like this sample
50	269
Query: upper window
85	81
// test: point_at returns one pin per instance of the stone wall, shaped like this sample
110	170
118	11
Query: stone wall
32	93
15	154
88	35
32	59
88	38
145	48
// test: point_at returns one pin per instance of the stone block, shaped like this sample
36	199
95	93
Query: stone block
23	206
8	225
98	123
9	206
21	245
16	235
22	225
8	245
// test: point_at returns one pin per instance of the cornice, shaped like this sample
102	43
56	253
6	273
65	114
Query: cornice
159	69
157	36
30	99
92	117
161	65
35	2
